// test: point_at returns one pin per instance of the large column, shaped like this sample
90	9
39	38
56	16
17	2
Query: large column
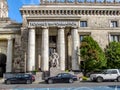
45	49
31	49
9	55
75	47
61	47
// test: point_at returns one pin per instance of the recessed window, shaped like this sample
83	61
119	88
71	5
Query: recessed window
83	23
115	38
82	36
114	24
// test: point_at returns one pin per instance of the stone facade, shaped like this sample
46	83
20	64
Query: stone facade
10	42
3	9
60	26
97	16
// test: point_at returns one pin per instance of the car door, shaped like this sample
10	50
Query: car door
110	75
114	74
107	74
13	80
58	78
65	77
23	79
19	78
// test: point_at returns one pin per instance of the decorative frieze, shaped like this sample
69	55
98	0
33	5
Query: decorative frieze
53	23
71	12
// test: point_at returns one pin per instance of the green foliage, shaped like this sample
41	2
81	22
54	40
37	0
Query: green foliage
113	55
92	54
84	78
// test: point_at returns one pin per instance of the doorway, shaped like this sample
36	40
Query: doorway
2	64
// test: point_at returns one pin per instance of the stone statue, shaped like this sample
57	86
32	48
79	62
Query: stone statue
54	59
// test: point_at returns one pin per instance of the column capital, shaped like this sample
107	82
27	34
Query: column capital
44	27
31	27
61	27
24	28
10	38
74	27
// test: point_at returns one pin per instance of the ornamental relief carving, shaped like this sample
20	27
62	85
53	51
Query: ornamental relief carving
71	12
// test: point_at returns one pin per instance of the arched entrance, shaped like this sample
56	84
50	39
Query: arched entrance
2	64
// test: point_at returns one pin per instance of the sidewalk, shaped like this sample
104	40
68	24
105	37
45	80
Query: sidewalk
1	80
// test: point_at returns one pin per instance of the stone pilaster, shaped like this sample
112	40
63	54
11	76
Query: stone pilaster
9	55
61	47
31	50
24	46
45	49
75	47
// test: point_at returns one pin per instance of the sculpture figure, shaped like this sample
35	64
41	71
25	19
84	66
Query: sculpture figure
54	59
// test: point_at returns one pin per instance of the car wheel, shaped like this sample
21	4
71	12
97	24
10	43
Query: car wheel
8	82
28	82
118	79
50	81
70	80
99	79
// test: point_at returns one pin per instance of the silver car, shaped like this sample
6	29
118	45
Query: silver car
108	74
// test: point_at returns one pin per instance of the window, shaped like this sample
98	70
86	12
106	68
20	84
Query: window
114	72
114	24
115	38
83	23
82	36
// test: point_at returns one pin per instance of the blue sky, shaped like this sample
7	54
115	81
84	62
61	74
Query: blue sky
15	5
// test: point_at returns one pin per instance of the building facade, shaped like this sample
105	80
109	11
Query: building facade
60	26
9	39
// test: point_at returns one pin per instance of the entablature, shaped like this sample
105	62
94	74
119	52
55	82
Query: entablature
71	12
68	11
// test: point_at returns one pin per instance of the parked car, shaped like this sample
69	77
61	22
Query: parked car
20	78
61	78
108	74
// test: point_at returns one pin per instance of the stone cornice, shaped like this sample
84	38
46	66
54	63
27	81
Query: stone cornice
8	23
53	17
94	4
10	32
47	2
68	7
69	12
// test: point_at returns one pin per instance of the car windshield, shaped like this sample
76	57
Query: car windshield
59	75
106	71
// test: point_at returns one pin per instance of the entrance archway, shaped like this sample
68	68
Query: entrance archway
2	64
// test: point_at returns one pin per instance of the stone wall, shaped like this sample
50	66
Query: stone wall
99	28
17	61
20	51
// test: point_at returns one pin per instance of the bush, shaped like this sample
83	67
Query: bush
92	55
84	78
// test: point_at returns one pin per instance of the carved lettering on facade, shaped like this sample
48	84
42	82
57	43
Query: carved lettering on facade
54	23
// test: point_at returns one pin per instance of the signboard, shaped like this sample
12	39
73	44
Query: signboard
53	23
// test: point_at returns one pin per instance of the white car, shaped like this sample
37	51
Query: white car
108	74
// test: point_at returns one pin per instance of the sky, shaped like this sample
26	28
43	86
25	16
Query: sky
15	5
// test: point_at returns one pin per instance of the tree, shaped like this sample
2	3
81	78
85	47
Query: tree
91	54
112	53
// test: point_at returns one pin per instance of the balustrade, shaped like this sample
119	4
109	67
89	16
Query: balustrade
79	1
